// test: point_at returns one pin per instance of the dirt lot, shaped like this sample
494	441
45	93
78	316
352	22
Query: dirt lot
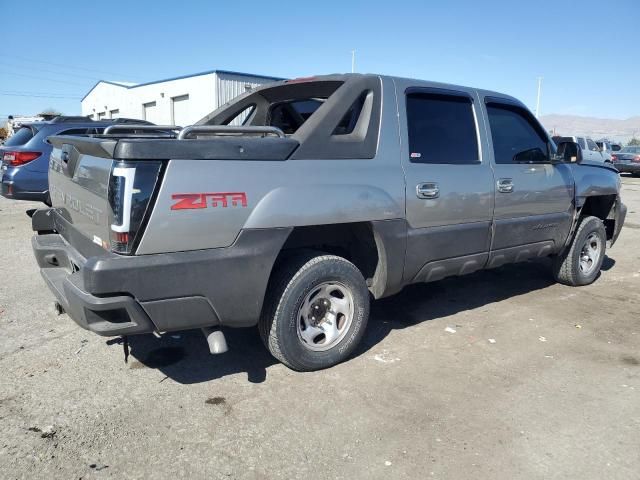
501	374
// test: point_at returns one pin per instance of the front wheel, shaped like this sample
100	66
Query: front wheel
580	263
315	312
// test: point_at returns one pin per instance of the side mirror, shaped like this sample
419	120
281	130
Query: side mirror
569	152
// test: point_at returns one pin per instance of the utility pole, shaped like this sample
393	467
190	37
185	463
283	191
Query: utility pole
538	98
353	61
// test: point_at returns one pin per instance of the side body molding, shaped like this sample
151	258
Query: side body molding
294	206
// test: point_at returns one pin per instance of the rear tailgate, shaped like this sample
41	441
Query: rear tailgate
79	173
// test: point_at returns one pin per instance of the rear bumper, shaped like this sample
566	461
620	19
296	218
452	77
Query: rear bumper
627	167
113	295
13	192
34	186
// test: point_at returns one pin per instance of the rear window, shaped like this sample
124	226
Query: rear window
442	129
290	115
21	137
631	150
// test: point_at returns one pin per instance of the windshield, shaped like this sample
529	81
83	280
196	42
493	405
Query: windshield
630	150
21	137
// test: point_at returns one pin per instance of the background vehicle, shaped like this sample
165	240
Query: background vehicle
336	189
608	148
628	160
24	157
590	150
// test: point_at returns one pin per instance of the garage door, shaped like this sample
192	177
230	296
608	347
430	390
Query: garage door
180	109
150	111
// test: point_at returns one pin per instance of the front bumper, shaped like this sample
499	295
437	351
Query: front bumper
112	294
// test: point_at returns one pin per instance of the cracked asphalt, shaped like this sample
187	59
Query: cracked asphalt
502	374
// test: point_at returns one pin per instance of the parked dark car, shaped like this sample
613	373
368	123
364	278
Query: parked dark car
24	157
628	160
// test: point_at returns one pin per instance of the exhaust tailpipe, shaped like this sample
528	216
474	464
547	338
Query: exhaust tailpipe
215	339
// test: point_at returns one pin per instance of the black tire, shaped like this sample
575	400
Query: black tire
291	284
566	266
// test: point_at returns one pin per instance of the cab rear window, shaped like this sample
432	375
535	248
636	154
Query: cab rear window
289	115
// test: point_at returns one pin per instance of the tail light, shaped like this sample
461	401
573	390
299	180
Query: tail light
131	188
15	159
614	158
636	159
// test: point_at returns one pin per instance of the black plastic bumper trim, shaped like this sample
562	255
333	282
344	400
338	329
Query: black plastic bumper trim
163	292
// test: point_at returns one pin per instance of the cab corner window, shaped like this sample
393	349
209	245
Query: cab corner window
515	135
289	115
350	119
441	129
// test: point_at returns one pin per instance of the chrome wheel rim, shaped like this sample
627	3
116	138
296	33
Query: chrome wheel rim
590	253
325	316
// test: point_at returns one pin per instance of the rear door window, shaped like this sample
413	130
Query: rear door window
442	129
592	145
516	138
22	136
582	143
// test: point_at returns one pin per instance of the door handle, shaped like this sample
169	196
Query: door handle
505	185
427	190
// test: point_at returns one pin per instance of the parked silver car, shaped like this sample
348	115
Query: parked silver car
628	160
591	152
608	148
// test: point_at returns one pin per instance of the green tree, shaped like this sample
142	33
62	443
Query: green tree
634	141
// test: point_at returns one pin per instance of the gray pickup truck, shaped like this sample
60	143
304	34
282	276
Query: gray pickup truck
327	192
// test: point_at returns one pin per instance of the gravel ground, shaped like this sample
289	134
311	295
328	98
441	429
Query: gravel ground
502	374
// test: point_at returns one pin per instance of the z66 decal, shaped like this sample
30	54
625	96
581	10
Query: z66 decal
188	201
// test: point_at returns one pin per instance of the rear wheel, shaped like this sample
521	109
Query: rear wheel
315	312
582	260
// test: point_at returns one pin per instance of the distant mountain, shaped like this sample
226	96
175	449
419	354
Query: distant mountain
596	128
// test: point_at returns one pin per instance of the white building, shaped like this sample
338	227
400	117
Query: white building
175	101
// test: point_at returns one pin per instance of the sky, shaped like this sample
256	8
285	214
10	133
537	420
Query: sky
587	52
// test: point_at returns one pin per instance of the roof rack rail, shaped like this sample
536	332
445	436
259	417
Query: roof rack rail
125	120
228	129
131	126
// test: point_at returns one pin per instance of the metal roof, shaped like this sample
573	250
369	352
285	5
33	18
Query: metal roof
208	72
